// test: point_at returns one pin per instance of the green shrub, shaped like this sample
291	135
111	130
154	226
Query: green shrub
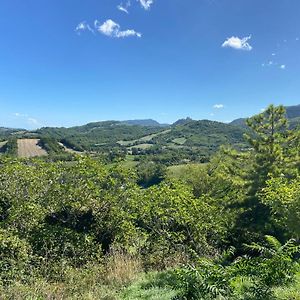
15	255
248	277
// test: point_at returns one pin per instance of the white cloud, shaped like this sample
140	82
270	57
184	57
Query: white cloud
26	118
112	29
218	106
83	26
32	121
273	54
269	64
146	4
274	64
237	43
19	115
297	39
125	7
122	8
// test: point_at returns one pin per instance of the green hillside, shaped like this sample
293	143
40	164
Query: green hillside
184	141
97	135
187	141
292	114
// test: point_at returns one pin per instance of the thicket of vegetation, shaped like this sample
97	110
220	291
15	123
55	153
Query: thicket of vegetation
11	147
50	145
86	229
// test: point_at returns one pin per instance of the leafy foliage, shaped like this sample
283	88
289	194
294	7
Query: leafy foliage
61	218
246	277
11	147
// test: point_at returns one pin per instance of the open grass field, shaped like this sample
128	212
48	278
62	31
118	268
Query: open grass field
144	139
142	146
179	141
30	148
177	170
129	162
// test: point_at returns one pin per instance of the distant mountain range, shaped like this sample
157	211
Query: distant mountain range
184	140
292	113
145	122
8	131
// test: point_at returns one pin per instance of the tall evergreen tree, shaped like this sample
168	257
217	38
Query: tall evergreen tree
268	139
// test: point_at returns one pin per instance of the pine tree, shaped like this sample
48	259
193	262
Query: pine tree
269	145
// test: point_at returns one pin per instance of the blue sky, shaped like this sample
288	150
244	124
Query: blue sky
69	62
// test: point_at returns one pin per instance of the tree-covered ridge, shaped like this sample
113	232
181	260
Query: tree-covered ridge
94	134
292	114
184	141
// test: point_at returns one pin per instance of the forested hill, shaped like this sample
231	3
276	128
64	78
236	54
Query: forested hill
202	133
292	114
197	136
144	122
186	140
107	132
4	131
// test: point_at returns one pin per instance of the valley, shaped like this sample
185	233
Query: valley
185	141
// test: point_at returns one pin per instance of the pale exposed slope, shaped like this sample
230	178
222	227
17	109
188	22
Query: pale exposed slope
30	148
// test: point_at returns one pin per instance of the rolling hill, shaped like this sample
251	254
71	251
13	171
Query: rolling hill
292	113
145	122
184	140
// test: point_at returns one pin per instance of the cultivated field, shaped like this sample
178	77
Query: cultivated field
144	139
30	148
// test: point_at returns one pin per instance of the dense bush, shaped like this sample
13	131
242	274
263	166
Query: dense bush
245	278
62	218
76	211
11	147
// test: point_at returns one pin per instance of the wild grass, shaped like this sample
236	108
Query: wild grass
120	277
291	292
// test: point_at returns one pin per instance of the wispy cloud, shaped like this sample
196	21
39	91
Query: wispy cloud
19	115
124	8
146	4
112	29
83	26
272	63
218	106
33	121
26	118
238	43
268	64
